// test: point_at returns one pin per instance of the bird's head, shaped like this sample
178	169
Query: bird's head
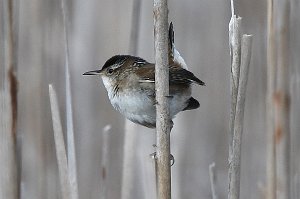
111	70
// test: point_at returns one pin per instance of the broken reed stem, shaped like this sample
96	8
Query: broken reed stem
163	172
235	53
59	145
271	151
235	166
72	165
105	158
212	177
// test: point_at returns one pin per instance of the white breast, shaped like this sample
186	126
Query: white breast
139	107
135	106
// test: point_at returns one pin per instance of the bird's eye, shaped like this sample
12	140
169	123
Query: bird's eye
110	71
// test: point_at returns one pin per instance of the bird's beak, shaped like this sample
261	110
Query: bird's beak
93	72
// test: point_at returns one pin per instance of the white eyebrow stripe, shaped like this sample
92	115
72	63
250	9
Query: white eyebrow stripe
140	62
146	81
115	66
118	65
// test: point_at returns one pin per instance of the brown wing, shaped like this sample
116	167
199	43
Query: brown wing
177	75
146	73
180	75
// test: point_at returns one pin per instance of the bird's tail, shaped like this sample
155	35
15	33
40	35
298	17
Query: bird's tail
174	56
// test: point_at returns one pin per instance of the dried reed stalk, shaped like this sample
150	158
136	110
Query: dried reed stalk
130	136
60	146
240	51
105	158
235	166
271	163
212	177
163	167
281	100
9	175
72	165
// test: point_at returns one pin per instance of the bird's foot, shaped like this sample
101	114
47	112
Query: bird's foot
171	125
169	96
172	159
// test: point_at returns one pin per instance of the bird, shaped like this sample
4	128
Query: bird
130	84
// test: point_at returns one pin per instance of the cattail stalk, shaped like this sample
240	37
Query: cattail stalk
163	167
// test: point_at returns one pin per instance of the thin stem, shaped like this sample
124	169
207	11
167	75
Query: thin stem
105	158
59	146
271	152
130	136
135	27
163	172
212	176
72	165
232	8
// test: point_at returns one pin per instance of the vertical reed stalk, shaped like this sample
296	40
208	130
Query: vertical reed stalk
212	177
105	158
72	165
271	163
163	172
281	99
59	146
240	51
9	179
235	166
130	136
235	52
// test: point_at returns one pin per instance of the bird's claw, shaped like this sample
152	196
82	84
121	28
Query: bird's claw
172	159
169	96
153	155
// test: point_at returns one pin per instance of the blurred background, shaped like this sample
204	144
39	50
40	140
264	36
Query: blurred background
98	30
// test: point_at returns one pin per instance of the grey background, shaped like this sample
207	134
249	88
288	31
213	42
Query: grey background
98	30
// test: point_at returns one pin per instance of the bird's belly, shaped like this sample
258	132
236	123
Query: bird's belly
137	108
140	108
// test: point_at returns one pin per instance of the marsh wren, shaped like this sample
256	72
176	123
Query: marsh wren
130	86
